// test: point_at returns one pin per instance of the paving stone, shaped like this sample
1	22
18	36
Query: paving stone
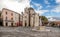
27	32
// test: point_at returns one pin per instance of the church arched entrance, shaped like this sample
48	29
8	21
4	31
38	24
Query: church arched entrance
1	22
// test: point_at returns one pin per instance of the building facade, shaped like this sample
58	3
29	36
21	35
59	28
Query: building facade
30	18
10	18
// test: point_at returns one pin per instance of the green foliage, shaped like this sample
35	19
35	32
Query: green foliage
44	20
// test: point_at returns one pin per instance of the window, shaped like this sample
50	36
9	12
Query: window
11	24
6	24
6	18
6	13
11	18
29	11
12	14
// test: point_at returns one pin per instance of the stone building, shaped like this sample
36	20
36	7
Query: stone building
30	17
10	18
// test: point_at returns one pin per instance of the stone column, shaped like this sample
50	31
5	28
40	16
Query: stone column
31	22
9	23
36	20
27	20
23	21
4	23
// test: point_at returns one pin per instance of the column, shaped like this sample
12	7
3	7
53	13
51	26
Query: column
23	21
27	20
31	21
4	23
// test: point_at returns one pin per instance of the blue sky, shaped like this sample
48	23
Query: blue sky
50	5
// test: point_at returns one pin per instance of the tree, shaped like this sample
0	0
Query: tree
44	20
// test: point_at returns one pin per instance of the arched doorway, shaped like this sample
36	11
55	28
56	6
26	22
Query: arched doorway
1	23
11	24
29	24
6	23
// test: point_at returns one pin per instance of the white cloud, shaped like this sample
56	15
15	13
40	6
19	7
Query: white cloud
48	16
51	19
15	5
46	2
58	1
56	9
39	6
48	6
41	11
1	4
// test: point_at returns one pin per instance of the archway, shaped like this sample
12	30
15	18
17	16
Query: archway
1	23
6	23
12	24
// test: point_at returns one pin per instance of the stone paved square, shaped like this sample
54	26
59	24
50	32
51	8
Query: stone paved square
27	32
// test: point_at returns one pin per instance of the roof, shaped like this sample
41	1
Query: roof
57	22
30	8
10	10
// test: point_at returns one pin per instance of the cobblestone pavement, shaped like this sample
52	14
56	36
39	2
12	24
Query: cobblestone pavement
27	32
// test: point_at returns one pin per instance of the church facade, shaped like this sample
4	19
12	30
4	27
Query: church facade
30	18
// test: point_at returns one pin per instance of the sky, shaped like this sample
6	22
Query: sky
48	8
